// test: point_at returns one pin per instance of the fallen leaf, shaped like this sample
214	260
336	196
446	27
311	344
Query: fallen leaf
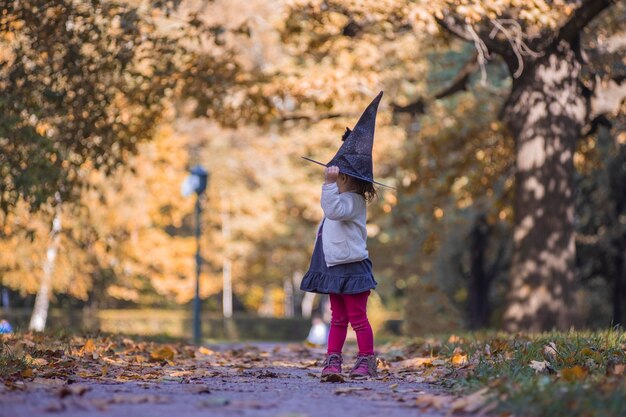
39	362
541	366
459	359
178	374
75	389
200	389
615	368
164	353
587	352
48	382
89	347
576	373
349	390
549	351
415	362
266	374
137	399
470	403
205	351
437	402
140	359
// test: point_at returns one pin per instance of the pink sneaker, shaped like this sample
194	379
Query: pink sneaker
365	367
332	368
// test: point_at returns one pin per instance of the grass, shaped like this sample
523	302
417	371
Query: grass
11	363
578	373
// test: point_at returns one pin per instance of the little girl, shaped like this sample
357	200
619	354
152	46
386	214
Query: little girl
340	265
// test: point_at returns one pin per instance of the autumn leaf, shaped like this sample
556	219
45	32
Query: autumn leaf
89	347
470	403
614	368
587	352
78	390
164	353
350	390
205	351
541	366
438	402
39	362
576	373
549	351
459	359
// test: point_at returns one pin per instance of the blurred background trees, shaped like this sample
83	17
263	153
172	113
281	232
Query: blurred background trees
502	127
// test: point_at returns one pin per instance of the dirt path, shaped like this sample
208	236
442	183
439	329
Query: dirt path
274	380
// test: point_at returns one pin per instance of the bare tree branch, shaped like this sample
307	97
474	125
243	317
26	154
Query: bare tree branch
311	117
459	83
461	80
494	45
414	108
581	18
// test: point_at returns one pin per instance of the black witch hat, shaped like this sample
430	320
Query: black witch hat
354	157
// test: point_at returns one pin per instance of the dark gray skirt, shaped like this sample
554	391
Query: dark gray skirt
350	278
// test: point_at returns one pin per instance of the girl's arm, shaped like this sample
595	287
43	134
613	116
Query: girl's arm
335	205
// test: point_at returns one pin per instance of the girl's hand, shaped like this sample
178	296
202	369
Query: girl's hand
331	174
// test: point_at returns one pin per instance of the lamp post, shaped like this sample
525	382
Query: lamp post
196	182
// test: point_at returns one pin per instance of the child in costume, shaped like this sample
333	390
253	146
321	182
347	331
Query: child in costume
340	265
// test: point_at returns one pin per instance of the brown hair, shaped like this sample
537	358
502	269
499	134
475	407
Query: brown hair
364	188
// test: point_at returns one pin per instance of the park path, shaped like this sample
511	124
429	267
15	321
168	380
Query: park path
273	380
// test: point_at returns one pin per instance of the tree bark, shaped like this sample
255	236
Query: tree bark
227	264
545	113
42	300
618	289
617	184
478	297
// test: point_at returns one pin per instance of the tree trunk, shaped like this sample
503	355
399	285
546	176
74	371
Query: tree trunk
42	300
545	113
478	297
617	182
227	264
618	288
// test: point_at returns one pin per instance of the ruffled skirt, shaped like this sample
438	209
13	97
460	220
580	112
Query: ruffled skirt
350	278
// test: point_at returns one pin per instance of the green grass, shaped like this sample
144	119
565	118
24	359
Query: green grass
11	363
586	375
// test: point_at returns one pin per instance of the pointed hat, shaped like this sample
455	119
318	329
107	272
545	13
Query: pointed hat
354	157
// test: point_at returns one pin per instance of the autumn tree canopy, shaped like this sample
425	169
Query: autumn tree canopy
489	132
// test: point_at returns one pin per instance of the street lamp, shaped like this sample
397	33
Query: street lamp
196	182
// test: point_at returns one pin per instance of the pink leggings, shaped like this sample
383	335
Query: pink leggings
350	308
